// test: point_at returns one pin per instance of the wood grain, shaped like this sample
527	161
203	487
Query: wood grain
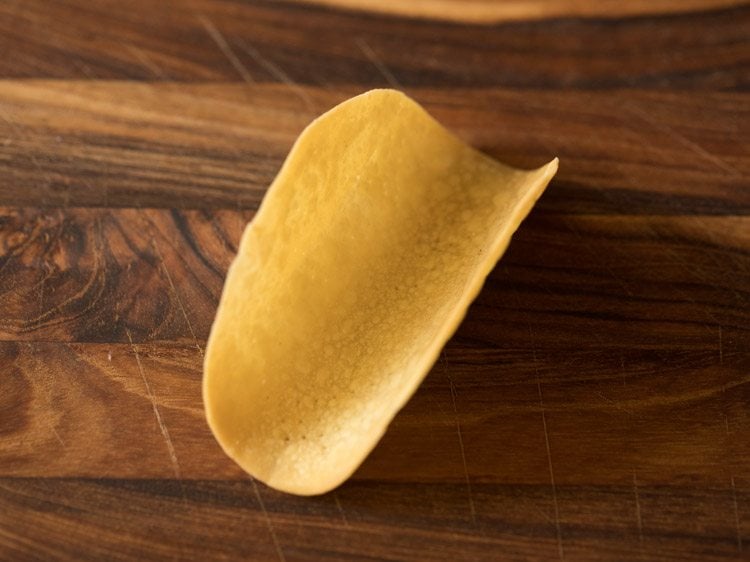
265	41
665	436
594	405
97	275
113	275
88	410
220	146
218	520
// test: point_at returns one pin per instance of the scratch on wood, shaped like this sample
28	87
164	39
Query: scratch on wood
683	140
638	517
341	510
176	294
731	478
83	180
146	62
48	391
659	401
276	71
560	550
736	515
555	504
615	404
439	406
157	414
472	508
721	348
41	293
269	523
83	67
224	47
57	436
372	57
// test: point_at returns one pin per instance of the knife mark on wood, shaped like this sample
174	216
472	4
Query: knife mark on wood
614	404
17	131
157	414
736	515
695	148
269	523
83	67
472	508
560	550
224	47
373	58
276	71
145	61
57	436
341	509
638	516
176	294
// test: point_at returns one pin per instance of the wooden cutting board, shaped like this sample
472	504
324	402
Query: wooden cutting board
593	405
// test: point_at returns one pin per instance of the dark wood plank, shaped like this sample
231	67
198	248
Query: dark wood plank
641	282
220	146
608	416
215	520
133	144
267	40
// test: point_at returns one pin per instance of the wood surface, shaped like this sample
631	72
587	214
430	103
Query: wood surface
595	403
